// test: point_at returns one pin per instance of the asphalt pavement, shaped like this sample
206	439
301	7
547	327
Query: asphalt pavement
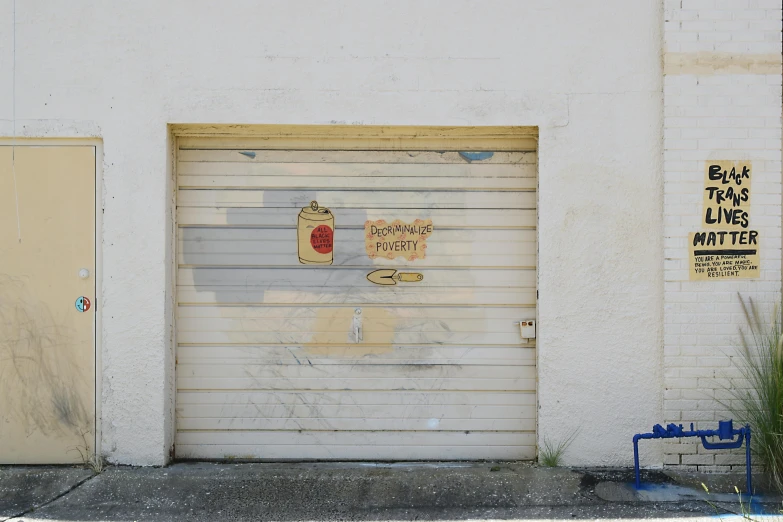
366	491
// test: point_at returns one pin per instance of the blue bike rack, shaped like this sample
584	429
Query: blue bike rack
725	431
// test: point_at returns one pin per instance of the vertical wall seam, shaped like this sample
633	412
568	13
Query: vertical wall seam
13	122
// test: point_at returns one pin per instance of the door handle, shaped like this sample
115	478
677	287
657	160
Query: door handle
357	325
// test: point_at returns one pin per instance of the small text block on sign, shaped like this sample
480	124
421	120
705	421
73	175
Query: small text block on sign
397	239
723	255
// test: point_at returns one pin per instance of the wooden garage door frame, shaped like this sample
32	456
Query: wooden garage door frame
340	137
98	275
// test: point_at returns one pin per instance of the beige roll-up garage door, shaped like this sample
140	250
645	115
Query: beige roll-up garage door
379	323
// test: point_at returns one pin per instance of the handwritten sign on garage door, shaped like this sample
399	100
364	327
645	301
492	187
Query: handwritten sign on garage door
397	239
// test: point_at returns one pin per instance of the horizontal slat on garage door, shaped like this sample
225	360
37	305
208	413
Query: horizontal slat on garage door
457	295
384	321
309	182
350	438
263	247
415	157
349	354
196	217
355	175
408	382
492	256
359	444
340	199
354	137
306	276
362	449
306	372
267	403
268	363
371	336
359	423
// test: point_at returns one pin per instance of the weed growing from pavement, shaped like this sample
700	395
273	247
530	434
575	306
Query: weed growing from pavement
550	453
90	460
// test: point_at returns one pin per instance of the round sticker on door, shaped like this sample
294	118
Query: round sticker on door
82	304
322	239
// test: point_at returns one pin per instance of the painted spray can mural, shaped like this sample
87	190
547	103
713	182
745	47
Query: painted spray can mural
315	234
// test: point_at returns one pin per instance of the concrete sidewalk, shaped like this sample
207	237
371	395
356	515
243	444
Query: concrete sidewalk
355	491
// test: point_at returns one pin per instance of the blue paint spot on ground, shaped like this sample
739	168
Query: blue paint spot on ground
676	493
248	154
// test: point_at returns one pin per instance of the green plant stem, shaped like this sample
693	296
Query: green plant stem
757	398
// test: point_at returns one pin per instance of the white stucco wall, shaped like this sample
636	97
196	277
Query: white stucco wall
588	74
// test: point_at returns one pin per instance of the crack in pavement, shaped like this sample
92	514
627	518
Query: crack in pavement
57	497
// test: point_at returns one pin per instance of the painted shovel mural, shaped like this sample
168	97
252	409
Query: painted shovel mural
389	276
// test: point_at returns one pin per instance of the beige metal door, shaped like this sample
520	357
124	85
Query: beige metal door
305	333
47	354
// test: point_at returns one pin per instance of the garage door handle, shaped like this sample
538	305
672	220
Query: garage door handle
357	325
